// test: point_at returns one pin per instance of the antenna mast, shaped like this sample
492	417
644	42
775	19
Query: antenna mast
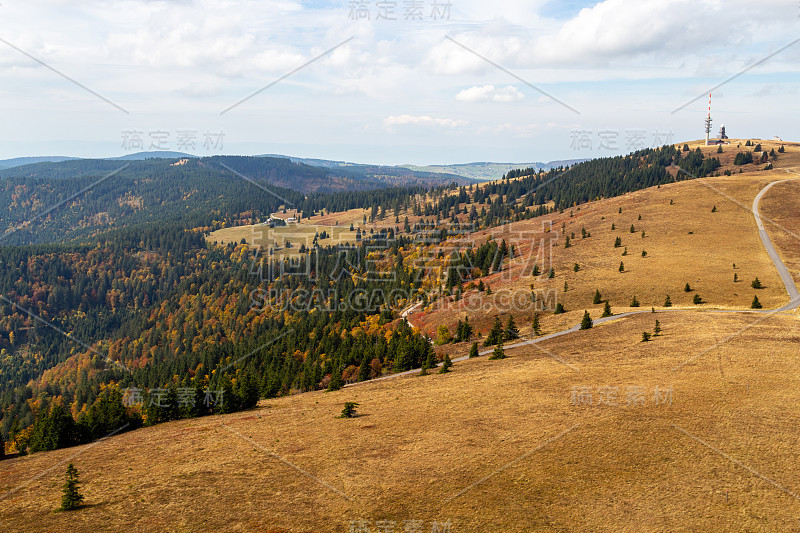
708	120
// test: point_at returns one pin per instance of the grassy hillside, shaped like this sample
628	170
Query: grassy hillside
494	445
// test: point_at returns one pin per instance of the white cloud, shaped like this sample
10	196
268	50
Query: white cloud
422	120
490	93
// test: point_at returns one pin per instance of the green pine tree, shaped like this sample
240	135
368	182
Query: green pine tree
657	329
668	301
645	336
606	311
756	304
473	351
349	410
635	302
512	331
71	498
495	334
537	328
597	297
621	266
446	365
498	352
587	322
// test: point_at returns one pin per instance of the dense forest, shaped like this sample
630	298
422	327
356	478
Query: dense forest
137	300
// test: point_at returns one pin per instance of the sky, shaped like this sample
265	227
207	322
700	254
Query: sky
392	82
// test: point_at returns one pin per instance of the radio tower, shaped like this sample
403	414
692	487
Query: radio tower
708	120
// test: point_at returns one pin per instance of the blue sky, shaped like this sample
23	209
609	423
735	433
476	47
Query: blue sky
555	80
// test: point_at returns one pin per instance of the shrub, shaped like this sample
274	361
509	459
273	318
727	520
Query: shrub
349	410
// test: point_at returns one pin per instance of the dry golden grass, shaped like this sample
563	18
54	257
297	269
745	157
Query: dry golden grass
704	258
545	464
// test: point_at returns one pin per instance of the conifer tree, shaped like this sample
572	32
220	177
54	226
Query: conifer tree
606	310
697	300
495	334
559	309
512	331
597	297
576	267
756	284
536	270
473	351
756	304
657	329
621	266
668	301
537	328
617	242
349	410
446	365
498	352
552	273
587	322
634	302
687	288
71	498
645	336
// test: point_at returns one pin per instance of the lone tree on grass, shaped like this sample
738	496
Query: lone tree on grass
757	284
576	268
668	301
606	310
657	329
617	242
634	302
552	273
349	410
512	331
645	336
735	277
621	266
587	322
559	309
598	298
498	352
697	300
537	328
446	364
687	288
71	498
473	351
756	304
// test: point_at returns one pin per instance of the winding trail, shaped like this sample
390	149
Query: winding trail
791	289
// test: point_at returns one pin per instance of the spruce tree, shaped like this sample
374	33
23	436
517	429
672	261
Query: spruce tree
537	328
634	302
349	410
645	336
735	277
495	334
587	322
617	242
559	309
576	267
512	331
446	365
71	498
552	273
687	288
606	311
536	270
668	301
657	329
756	304
498	352
697	300
473	351
756	284
597	297
621	266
